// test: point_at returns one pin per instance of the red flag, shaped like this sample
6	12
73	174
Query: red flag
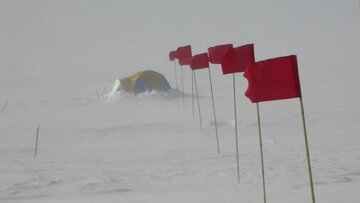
216	52
183	52
199	61
237	59
185	61
172	55
184	55
273	79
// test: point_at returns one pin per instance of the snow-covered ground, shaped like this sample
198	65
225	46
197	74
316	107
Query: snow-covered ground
148	148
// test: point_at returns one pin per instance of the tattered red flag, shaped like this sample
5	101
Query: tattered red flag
237	59
199	61
172	55
216	52
273	79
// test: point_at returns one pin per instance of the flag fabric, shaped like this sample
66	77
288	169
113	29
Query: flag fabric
199	61
184	55
216	52
237	59
172	55
185	61
183	52
273	79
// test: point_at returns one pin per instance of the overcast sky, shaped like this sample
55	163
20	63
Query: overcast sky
98	41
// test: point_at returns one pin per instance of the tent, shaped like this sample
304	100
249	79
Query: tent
142	81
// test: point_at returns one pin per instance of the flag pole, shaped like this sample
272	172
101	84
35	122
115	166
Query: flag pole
197	96
182	85
192	92
307	151
177	86
36	142
212	98
4	107
236	133
261	153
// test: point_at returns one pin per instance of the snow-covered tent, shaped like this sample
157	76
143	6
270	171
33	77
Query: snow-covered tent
147	80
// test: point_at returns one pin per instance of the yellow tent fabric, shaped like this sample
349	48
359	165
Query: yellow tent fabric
156	81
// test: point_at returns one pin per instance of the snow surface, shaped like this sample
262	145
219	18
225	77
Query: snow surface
55	55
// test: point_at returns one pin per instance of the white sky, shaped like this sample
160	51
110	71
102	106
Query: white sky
70	40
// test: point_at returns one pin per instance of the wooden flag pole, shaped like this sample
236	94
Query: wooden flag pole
177	86
212	98
197	97
182	85
37	138
307	152
236	134
4	107
192	93
261	153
